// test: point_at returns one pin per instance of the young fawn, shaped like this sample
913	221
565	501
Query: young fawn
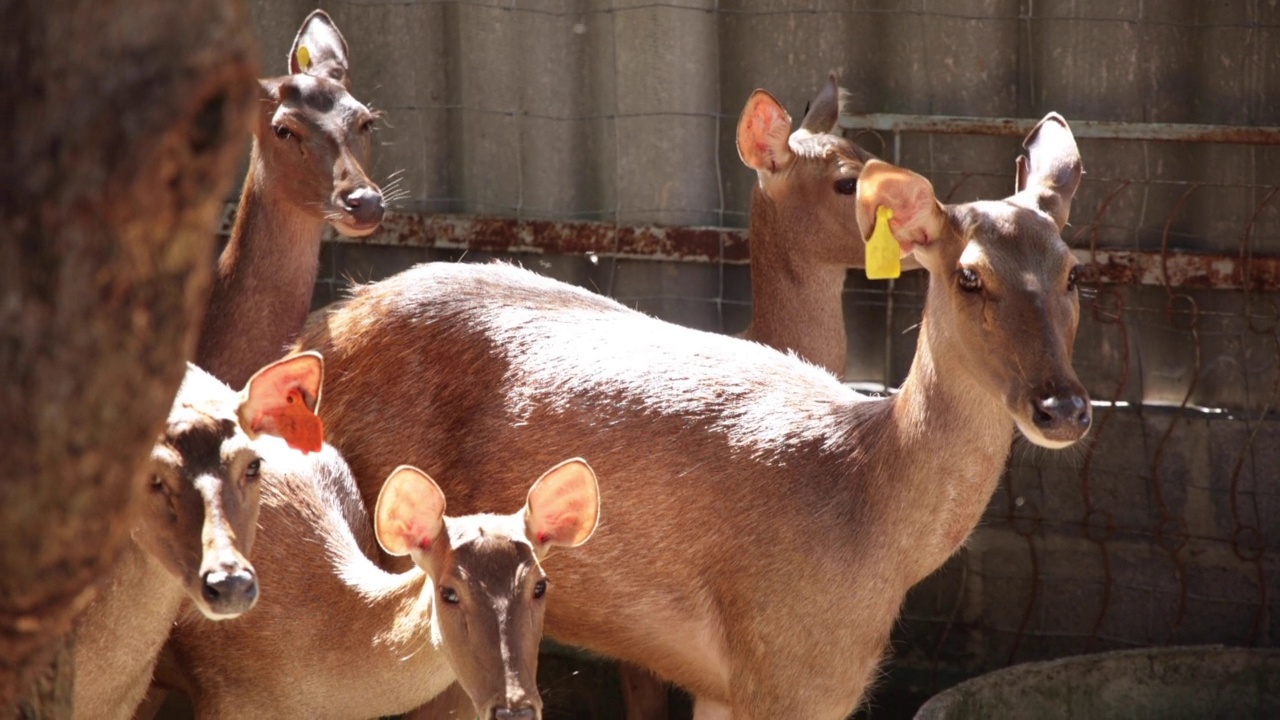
766	520
195	518
803	232
311	145
334	636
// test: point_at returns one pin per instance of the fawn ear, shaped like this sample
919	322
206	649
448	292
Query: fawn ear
824	110
563	506
1051	169
763	132
319	49
410	511
918	218
281	399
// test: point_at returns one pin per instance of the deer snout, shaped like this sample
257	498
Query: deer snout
1062	415
230	592
524	712
364	205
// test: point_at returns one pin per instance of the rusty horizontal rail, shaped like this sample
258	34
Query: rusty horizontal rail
729	245
1092	129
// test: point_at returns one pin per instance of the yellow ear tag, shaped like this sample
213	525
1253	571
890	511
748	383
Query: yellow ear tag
304	58
884	260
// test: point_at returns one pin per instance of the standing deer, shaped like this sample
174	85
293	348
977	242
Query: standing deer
803	231
195	519
336	637
766	521
311	145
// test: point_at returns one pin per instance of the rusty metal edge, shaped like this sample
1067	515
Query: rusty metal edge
729	245
1082	129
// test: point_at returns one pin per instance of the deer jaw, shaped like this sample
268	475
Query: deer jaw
1012	331
200	505
316	138
504	618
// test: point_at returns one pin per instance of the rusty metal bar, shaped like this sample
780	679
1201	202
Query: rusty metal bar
1092	129
559	237
729	245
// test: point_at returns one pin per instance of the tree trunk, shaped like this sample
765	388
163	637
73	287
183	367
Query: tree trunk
122	124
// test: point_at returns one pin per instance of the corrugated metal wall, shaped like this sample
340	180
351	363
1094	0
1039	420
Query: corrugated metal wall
623	111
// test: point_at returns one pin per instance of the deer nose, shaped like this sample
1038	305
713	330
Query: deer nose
230	593
525	712
364	205
1062	415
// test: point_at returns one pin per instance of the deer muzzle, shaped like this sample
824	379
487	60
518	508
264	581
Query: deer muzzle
1062	414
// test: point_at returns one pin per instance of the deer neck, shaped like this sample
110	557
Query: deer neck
938	497
392	627
795	297
264	282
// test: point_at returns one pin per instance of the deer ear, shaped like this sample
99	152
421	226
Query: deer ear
763	131
564	505
918	218
319	49
1051	169
410	511
281	400
824	110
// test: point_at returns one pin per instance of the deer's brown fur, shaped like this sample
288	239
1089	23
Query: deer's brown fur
765	521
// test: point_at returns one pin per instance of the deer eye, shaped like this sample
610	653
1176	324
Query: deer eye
539	589
156	485
449	595
282	132
253	469
968	280
847	186
1073	277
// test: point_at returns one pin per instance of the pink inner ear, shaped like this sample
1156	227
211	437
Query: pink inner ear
562	524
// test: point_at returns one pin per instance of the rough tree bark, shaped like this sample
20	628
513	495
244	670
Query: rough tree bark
120	127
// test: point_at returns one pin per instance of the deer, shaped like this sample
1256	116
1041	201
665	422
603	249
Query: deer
194	517
311	145
335	636
766	520
803	224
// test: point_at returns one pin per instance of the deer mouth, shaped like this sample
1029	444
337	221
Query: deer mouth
356	229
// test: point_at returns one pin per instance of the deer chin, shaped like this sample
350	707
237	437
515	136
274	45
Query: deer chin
212	613
355	230
1037	437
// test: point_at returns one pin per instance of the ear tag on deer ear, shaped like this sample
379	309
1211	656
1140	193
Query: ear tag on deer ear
884	261
304	58
295	422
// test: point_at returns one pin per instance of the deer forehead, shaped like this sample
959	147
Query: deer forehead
200	440
321	98
1012	241
824	148
492	558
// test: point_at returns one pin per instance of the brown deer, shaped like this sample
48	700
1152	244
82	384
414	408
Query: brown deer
195	518
766	520
803	230
311	145
336	637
